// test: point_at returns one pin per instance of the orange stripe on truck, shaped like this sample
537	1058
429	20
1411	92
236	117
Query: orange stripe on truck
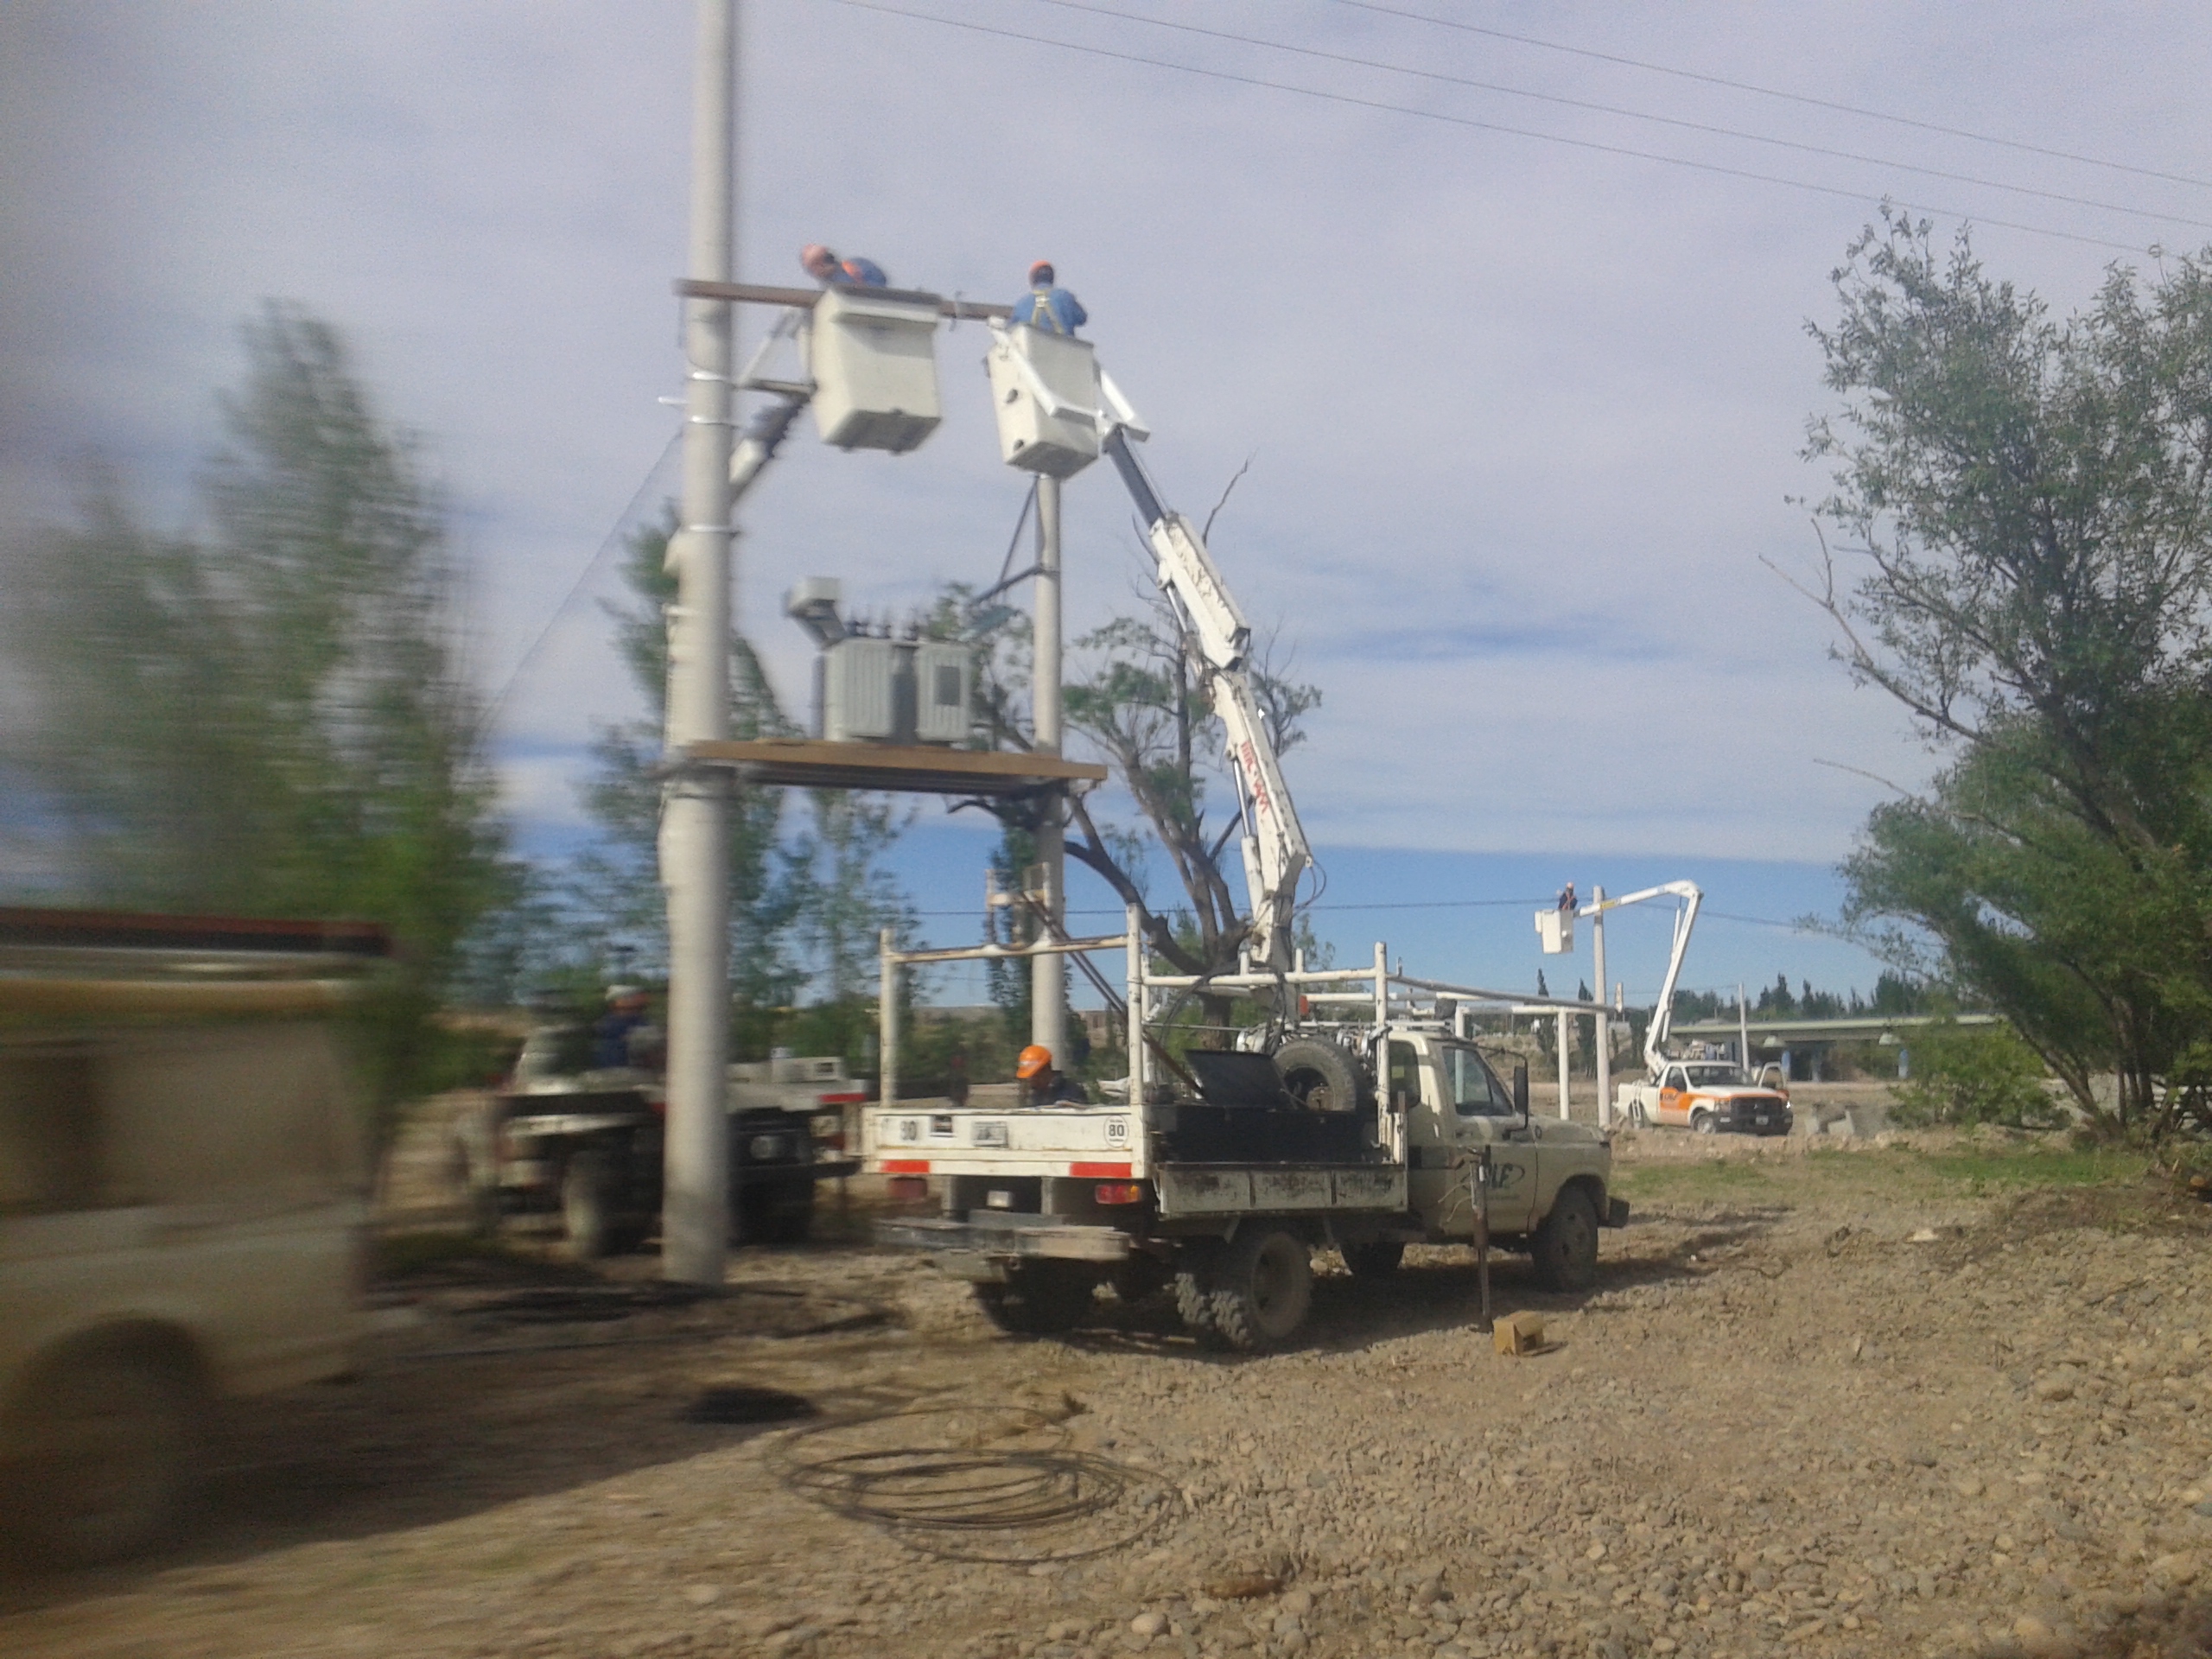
905	1166
1099	1171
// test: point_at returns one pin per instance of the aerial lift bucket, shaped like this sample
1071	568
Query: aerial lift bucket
873	355
1045	387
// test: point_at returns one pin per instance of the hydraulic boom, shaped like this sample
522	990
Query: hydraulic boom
1275	850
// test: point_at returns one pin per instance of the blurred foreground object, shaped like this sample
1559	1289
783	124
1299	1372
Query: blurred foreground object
184	1180
268	716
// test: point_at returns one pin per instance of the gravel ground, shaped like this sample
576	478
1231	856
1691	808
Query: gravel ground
1868	1400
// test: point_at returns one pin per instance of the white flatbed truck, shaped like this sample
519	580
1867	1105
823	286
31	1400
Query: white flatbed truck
1363	1135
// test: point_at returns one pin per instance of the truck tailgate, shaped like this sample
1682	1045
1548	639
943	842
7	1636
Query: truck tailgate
1260	1189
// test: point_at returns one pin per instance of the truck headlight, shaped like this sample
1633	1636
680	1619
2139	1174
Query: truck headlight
765	1148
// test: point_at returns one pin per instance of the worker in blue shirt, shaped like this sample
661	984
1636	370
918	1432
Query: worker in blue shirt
1046	307
827	269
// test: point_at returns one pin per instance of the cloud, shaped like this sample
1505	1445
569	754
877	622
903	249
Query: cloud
1522	418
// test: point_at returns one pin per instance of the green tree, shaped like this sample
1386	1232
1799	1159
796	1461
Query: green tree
616	884
1974	1074
2025	504
271	717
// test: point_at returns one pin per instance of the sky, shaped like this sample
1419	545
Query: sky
1522	406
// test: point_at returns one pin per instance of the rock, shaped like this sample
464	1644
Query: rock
2037	1639
2058	1385
1242	1586
1298	1603
702	1595
1149	1625
1967	1486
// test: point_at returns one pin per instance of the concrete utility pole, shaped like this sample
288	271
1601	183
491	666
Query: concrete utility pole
1048	980
694	811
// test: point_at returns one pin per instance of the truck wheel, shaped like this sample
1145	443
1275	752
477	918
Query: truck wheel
1039	1299
791	1217
588	1212
1193	1290
1139	1278
1376	1259
1704	1123
1317	1075
113	1436
1263	1286
1565	1246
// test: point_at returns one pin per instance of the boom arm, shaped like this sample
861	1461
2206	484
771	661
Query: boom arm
1662	1017
1274	847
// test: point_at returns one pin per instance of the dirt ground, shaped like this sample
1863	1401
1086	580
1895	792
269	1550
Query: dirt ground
1916	1395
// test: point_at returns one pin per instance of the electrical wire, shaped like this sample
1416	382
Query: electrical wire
1469	122
1614	109
1770	92
988	1476
499	702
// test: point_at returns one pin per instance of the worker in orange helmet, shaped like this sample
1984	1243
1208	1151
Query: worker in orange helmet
1048	305
1044	1085
827	269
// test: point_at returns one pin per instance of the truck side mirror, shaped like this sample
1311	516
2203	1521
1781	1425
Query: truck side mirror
1520	1091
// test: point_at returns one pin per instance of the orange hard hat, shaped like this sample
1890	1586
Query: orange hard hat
1041	272
814	256
1034	1059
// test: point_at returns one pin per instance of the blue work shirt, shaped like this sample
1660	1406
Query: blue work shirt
1054	309
857	272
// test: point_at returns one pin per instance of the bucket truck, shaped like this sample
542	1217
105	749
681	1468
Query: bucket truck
1705	1096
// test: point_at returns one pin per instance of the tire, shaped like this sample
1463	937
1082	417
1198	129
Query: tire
791	1217
1139	1278
1194	1291
1565	1246
1039	1299
115	1438
589	1217
1261	1287
1376	1259
1704	1123
1318	1075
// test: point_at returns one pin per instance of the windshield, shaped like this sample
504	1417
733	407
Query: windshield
1711	1076
1474	1088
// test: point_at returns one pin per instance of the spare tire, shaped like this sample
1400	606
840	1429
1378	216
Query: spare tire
1318	1075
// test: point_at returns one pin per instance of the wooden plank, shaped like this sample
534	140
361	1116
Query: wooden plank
813	763
692	288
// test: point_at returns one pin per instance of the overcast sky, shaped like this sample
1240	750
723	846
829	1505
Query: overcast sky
1523	416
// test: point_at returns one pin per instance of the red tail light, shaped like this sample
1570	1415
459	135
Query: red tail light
1119	1191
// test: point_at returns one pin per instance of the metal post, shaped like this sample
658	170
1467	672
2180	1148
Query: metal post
1135	998
1743	1031
1381	985
1603	1022
1048	977
887	1059
1565	1037
694	814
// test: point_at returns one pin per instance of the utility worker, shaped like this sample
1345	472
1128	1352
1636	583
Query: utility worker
1046	1086
827	269
611	1033
1046	307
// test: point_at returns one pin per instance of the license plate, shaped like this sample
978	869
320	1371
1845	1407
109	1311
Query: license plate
988	1135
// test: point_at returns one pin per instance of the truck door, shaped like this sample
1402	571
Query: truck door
1431	1150
1674	1096
1482	1114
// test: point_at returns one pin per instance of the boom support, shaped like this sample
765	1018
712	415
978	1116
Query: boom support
1274	847
1662	1017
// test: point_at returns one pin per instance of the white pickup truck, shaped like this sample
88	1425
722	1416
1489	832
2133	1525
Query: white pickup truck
1707	1097
184	1189
1363	1138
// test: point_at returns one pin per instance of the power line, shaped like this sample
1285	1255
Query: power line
1633	115
1770	92
1386	107
583	577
